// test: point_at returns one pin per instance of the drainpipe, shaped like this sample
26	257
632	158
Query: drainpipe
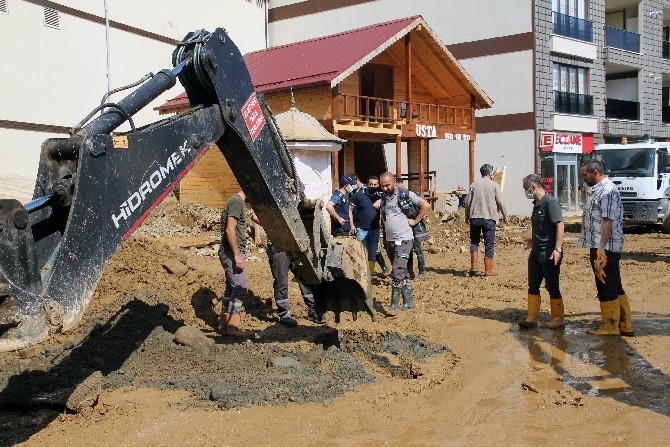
267	30
109	63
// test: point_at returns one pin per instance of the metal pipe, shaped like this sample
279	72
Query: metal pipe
107	44
40	203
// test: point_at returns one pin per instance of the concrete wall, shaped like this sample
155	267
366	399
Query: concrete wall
54	77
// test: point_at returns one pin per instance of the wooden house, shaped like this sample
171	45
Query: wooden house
392	82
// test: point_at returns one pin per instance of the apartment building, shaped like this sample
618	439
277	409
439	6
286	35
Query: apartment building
563	75
60	58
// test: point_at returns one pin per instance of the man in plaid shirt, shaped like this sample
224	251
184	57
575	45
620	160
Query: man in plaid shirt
602	234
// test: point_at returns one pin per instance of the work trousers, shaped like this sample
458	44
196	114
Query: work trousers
398	253
541	266
280	264
236	282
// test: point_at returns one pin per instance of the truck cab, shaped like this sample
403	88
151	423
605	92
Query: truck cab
641	171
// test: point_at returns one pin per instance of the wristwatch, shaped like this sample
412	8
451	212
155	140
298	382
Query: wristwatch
558	249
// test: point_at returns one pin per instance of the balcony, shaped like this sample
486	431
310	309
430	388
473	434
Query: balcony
371	112
624	40
665	115
622	110
666	49
573	27
573	103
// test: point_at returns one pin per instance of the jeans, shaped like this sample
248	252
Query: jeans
370	240
541	266
486	226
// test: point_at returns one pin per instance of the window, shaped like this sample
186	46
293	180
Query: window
572	8
571	90
51	18
571	79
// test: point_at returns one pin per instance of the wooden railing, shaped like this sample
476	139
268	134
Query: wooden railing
367	108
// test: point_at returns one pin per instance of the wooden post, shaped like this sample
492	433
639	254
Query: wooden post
422	166
408	76
398	156
471	159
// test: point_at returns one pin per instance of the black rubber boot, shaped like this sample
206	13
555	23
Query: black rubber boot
382	263
395	298
422	269
407	297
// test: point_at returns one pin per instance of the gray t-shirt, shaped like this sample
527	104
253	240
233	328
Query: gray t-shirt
395	222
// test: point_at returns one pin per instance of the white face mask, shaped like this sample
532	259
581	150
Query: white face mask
351	188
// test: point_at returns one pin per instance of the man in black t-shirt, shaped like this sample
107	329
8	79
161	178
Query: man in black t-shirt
546	253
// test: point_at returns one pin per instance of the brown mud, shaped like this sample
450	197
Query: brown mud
146	366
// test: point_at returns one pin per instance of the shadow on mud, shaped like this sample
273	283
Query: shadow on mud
598	366
135	347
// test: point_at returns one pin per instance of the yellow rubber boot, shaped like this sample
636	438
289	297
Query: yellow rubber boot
557	314
610	312
533	312
371	267
625	323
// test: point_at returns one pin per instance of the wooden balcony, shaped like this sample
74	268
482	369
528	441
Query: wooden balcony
388	115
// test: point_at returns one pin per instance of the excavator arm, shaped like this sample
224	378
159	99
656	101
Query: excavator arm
96	187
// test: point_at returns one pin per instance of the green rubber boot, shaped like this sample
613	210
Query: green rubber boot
395	298
407	297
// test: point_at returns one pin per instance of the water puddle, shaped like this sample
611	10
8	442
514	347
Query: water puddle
600	366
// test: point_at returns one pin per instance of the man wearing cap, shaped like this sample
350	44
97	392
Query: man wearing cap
338	206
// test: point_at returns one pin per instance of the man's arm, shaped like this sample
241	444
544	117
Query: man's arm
424	207
352	228
560	232
500	204
231	224
605	232
330	207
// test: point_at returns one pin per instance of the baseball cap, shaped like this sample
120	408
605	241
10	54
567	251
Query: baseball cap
353	176
347	180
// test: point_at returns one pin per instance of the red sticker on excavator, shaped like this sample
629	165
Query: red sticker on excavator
253	116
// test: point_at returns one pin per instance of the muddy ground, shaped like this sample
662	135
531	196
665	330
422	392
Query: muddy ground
146	366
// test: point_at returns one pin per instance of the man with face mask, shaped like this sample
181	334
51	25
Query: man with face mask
546	253
364	218
338	207
602	234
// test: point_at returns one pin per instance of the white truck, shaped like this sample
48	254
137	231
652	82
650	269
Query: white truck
641	171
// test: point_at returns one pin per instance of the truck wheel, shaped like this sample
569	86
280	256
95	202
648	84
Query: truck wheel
665	226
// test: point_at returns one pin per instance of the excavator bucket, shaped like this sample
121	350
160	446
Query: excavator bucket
95	188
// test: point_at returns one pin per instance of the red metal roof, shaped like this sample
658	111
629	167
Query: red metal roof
328	60
320	60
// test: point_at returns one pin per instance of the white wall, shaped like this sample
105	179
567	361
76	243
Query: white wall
55	77
450	160
453	21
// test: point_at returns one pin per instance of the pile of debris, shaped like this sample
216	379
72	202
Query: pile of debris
447	229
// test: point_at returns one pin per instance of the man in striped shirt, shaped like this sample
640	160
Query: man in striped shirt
602	234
